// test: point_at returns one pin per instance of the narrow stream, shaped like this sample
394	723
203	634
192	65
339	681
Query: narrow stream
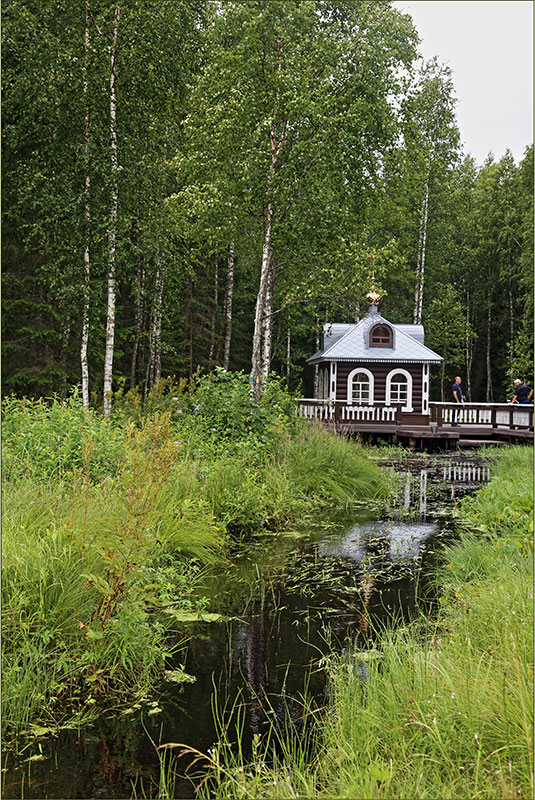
287	600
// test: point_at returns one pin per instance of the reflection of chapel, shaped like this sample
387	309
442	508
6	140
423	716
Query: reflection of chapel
373	366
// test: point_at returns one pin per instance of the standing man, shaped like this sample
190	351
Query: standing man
457	398
522	393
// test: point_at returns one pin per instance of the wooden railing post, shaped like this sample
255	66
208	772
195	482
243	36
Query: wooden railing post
493	422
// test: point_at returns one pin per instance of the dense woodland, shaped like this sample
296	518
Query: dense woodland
190	184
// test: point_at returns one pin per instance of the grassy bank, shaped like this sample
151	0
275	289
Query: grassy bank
108	522
446	708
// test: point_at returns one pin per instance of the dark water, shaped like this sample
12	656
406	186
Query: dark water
286	601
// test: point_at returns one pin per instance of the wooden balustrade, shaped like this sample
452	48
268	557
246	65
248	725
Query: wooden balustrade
493	415
340	412
490	415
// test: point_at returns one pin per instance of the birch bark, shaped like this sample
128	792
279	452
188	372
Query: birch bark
469	351
420	267
87	266
288	353
267	322
261	356
256	355
229	292
316	368
139	324
488	392
214	313
112	237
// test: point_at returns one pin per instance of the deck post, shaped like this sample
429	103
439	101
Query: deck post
493	422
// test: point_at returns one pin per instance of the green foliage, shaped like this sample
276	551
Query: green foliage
223	411
51	440
503	510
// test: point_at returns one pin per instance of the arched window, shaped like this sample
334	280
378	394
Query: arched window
360	386
381	336
399	388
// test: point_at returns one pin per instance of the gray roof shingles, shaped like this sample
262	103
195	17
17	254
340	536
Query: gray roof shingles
351	345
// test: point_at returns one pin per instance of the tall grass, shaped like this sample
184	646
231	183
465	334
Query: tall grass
446	711
107	520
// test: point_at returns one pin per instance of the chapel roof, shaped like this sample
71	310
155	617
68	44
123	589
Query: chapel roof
350	342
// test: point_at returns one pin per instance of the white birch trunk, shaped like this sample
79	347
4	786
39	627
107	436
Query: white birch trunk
267	322
288	354
469	351
261	357
139	324
229	293
511	327
256	356
316	368
422	243
214	314
488	393
87	266
112	237
157	325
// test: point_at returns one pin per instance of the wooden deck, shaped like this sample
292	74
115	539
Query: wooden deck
479	424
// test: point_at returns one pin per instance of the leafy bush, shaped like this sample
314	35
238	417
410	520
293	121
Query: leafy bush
51	440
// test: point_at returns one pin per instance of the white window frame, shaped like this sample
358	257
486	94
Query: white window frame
371	380
398	371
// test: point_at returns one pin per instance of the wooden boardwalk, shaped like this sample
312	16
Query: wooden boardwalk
478	424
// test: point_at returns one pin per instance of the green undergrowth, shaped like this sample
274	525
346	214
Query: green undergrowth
107	524
446	707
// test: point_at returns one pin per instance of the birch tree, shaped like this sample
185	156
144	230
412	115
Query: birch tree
295	100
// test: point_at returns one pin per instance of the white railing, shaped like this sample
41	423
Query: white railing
496	415
368	413
316	409
341	412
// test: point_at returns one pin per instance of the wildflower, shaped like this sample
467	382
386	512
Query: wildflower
453	695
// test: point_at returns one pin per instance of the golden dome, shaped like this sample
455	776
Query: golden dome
373	297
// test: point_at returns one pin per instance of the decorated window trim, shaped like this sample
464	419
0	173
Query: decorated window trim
383	334
399	371
371	381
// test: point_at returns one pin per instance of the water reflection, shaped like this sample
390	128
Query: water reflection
419	488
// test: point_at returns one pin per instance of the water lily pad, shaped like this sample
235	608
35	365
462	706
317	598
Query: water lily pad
178	676
194	616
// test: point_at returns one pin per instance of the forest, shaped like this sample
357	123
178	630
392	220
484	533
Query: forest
196	184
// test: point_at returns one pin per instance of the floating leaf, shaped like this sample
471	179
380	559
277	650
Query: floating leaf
194	616
178	676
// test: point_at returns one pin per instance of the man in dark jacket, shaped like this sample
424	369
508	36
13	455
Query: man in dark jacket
522	393
457	398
